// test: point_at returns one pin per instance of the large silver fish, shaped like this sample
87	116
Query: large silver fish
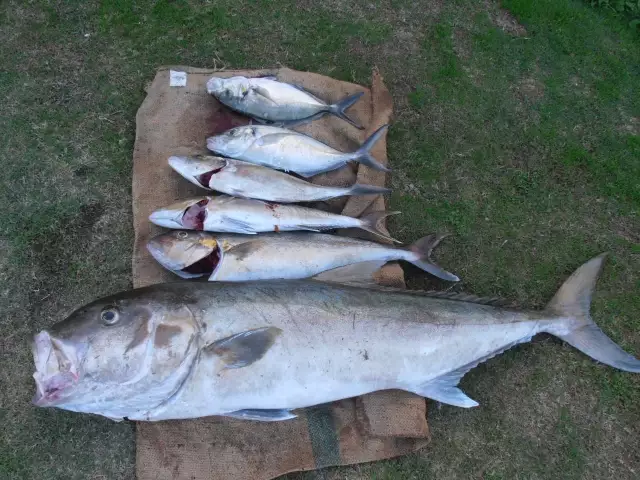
241	215
284	256
246	180
265	98
289	150
261	350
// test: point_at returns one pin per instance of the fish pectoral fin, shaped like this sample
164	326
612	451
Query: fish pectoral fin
271	139
262	415
242	250
264	93
245	348
445	392
239	226
355	274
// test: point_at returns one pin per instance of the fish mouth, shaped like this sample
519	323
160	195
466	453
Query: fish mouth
205	178
215	85
191	218
194	216
195	169
216	144
188	255
205	266
57	365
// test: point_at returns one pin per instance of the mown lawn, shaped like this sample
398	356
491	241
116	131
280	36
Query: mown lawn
517	128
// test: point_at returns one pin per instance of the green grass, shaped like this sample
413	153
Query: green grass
518	132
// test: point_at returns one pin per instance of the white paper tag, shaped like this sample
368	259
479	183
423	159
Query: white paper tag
177	79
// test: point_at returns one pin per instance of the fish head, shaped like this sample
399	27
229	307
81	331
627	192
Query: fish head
234	142
228	90
187	254
188	214
198	169
111	352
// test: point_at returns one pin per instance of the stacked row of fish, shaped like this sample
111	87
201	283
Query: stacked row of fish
263	350
256	178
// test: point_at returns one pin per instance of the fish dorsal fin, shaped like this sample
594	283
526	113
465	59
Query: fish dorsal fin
354	274
465	297
457	296
244	348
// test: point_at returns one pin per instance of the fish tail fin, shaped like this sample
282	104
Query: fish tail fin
358	189
572	302
423	249
363	154
374	223
338	109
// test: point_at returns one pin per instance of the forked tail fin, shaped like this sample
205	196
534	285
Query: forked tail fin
423	249
374	223
338	109
359	189
572	301
363	154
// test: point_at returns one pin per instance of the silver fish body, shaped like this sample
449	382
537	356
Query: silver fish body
288	150
262	350
247	180
284	256
267	99
239	215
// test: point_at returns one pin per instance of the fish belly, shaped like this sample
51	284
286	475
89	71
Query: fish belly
294	155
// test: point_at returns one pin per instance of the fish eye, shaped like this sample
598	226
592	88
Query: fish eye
110	316
183	235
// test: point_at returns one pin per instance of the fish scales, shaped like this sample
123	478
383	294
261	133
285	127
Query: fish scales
261	351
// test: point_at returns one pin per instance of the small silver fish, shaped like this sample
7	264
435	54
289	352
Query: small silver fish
246	180
285	256
289	150
240	215
266	99
261	350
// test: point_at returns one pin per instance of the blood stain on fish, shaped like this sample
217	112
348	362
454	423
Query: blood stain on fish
195	215
274	208
205	178
164	334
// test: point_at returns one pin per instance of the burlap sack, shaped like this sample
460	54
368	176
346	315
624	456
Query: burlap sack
177	120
